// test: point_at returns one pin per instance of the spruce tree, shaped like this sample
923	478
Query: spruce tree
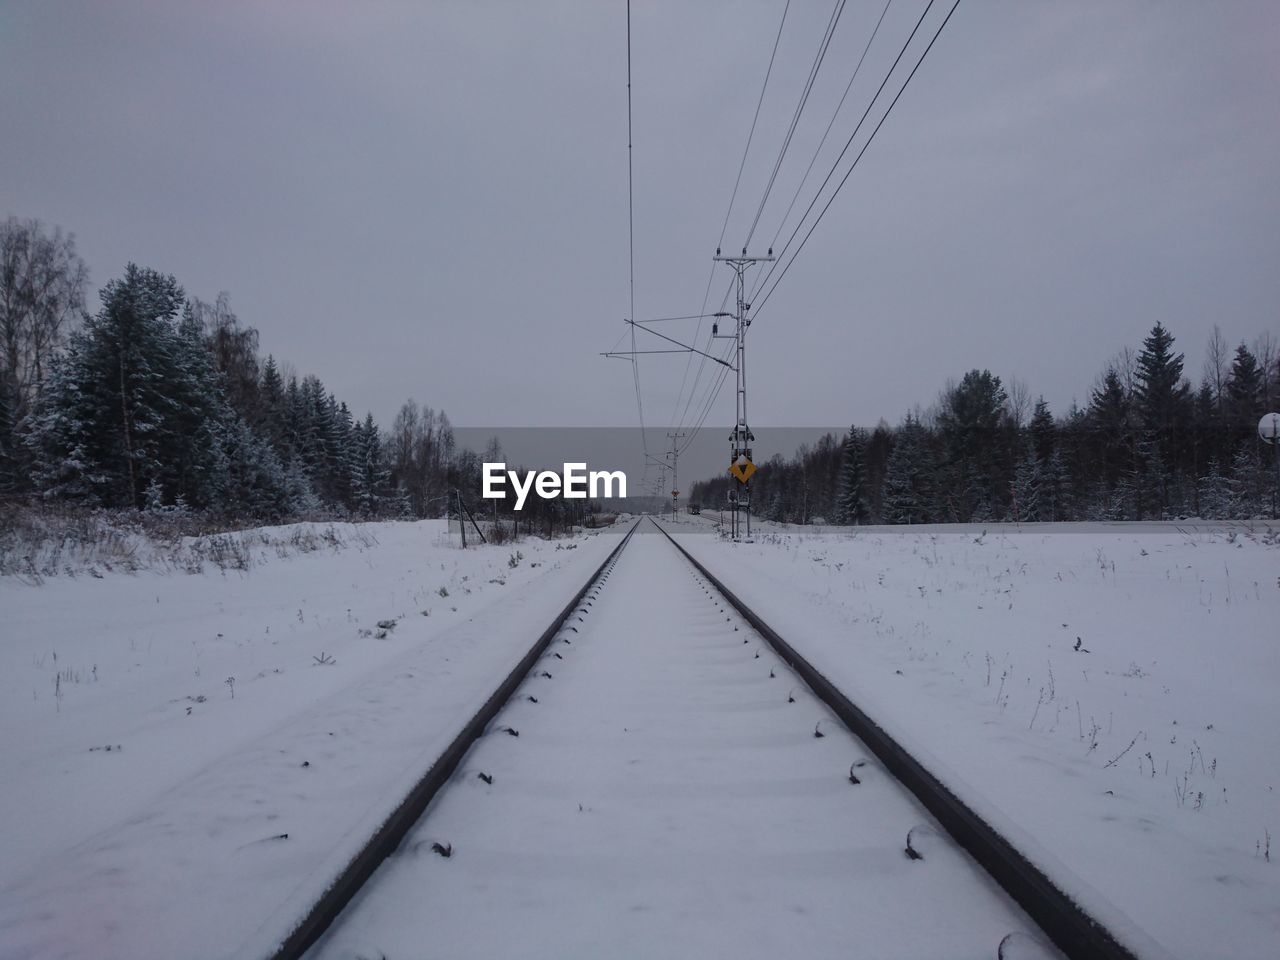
1246	487
1214	494
117	413
851	501
1047	477
909	476
1027	483
195	465
256	485
300	497
1163	402
371	479
1043	432
1109	427
1159	390
1244	395
971	425
271	414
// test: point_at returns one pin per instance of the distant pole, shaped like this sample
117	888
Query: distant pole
674	455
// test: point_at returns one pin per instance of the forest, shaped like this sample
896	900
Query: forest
161	402
1148	445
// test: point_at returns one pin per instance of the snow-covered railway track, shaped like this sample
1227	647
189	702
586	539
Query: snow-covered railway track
1077	934
394	829
658	779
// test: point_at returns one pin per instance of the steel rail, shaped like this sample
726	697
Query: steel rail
1065	922
394	829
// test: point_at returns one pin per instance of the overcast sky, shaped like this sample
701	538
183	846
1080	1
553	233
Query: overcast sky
429	199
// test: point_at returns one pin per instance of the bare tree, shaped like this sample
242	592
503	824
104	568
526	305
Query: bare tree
1125	364
235	352
1266	348
42	294
419	450
1217	363
402	447
1019	402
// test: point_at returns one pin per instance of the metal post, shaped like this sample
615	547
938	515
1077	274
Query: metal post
742	436
462	523
674	457
1275	490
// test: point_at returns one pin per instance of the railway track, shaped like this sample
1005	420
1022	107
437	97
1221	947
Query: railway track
662	775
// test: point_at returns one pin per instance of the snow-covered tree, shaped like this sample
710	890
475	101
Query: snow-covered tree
1214	494
1027	484
115	409
909	476
372	493
1243	395
851	497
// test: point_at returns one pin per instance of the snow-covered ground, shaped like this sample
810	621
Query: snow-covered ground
1108	696
666	797
188	758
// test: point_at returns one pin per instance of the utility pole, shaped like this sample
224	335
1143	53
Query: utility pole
740	464
674	456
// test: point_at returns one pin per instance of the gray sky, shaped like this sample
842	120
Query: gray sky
429	199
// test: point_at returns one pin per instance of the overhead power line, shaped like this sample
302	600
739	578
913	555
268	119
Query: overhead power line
795	117
725	226
752	133
853	166
631	244
848	143
723	374
831	123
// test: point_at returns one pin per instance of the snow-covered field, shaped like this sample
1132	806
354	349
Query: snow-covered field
188	757
1109	697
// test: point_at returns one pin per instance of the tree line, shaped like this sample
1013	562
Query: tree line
1148	445
162	401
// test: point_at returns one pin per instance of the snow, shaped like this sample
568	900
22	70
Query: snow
962	644
664	798
146	799
711	820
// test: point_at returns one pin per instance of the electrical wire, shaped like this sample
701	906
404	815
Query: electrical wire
712	393
692	316
826	133
732	197
795	117
723	374
631	244
703	362
848	143
844	179
752	133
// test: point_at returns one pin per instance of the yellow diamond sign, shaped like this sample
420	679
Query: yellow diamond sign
743	469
